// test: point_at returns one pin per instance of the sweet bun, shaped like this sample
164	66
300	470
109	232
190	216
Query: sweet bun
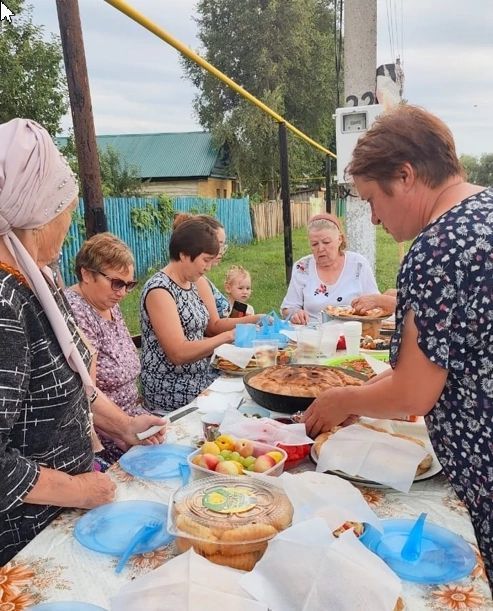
244	562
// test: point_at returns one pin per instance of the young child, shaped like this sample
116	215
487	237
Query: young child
238	287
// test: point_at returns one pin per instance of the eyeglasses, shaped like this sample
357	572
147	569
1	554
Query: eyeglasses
117	284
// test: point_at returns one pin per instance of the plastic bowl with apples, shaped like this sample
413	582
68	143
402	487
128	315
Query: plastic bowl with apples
230	456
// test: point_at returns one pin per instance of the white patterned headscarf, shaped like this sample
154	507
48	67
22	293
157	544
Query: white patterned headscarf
36	184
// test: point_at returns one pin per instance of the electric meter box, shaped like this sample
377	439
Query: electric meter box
351	122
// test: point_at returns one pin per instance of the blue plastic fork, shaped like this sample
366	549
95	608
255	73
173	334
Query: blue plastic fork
184	472
141	536
411	549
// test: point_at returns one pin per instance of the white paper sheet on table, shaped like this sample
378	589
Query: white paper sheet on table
239	356
217	402
227	385
372	455
306	569
265	430
321	495
187	582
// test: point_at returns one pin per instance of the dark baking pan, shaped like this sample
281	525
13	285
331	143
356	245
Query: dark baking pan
284	403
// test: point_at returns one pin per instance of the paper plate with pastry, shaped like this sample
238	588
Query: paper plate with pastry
228	368
354	363
372	319
427	468
221	364
349	313
291	388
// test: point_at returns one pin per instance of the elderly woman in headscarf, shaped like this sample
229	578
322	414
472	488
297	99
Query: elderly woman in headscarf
47	440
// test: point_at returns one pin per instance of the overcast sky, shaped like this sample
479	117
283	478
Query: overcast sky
137	82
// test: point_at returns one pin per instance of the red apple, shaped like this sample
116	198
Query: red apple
208	461
263	463
244	447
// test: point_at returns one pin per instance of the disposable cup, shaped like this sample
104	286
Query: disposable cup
330	336
352	331
210	425
308	344
265	351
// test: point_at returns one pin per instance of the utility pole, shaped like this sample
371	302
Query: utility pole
286	200
360	64
82	118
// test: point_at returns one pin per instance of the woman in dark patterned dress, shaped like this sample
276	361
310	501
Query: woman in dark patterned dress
46	454
216	303
406	167
175	353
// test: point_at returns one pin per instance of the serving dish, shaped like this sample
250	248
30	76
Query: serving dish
414	429
435	469
284	356
374	352
371	324
284	403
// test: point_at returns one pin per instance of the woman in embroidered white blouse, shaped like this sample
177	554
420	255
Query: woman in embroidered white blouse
331	275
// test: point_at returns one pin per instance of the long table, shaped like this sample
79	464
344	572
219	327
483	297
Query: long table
55	567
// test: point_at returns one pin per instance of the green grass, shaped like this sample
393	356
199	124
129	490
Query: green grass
265	262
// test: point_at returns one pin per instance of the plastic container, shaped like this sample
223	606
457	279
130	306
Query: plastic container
258	449
229	520
210	425
296	453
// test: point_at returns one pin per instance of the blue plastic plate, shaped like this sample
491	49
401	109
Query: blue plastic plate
66	606
444	556
155	462
109	528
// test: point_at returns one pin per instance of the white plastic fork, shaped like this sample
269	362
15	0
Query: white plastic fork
141	536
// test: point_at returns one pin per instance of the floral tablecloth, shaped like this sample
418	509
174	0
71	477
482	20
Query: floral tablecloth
55	567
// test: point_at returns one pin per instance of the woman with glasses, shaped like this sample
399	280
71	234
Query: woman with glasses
104	267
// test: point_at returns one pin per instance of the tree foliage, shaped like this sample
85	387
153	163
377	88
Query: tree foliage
118	178
281	51
479	170
32	83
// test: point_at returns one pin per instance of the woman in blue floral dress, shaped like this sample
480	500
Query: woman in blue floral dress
406	167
